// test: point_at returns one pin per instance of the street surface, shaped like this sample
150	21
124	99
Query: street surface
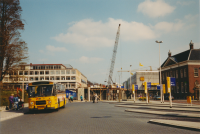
88	118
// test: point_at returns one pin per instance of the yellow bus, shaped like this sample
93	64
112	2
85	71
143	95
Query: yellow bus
46	95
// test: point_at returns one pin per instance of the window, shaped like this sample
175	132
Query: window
31	78
31	73
22	67
52	78
73	71
62	71
185	72
47	78
57	77
15	72
171	75
36	78
176	73
58	72
46	72
68	72
182	87
181	73
73	78
41	72
20	72
185	87
26	79
42	67
41	78
26	73
52	72
47	67
177	87
21	79
67	77
51	67
36	73
196	73
63	78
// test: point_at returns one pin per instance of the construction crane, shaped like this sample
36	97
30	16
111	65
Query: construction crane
114	56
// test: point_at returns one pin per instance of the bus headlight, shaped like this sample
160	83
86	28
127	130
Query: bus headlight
31	103
49	102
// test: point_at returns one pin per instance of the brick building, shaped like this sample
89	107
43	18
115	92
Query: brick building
185	67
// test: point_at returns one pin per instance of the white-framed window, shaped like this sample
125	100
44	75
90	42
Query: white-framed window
73	71
47	72
20	72
52	78
67	77
47	78
57	71
62	71
52	72
196	73
41	72
31	72
73	77
36	72
67	71
57	77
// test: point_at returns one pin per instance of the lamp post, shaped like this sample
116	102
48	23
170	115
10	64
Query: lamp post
130	77
161	92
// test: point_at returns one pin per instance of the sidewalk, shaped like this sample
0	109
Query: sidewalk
180	109
9	114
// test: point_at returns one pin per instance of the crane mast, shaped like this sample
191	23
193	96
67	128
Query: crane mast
114	56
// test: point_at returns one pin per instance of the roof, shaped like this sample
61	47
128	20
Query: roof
191	54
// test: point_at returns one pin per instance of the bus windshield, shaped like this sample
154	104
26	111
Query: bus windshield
40	91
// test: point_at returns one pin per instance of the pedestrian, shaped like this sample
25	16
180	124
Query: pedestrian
71	98
93	98
11	100
81	98
15	100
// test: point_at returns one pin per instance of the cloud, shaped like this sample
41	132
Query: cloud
155	9
85	59
91	34
167	27
184	3
56	49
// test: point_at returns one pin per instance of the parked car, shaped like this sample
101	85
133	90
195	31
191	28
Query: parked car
156	97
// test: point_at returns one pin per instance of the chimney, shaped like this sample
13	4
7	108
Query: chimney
191	45
169	54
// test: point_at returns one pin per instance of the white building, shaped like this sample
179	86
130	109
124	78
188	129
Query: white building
65	74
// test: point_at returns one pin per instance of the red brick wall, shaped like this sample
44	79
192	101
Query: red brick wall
192	79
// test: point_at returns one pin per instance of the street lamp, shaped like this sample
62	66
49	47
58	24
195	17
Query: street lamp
130	77
161	92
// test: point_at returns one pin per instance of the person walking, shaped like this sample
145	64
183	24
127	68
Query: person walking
11	101
81	98
93	98
16	104
71	98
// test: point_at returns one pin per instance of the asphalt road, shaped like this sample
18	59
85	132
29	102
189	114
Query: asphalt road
87	118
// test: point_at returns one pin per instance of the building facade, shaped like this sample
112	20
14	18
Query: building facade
139	77
70	77
185	67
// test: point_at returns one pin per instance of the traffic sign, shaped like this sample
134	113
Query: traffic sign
173	81
148	85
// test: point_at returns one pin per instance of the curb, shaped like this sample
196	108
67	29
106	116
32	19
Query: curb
174	125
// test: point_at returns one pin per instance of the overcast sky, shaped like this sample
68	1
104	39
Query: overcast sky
82	33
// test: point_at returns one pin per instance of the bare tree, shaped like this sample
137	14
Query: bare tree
12	49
